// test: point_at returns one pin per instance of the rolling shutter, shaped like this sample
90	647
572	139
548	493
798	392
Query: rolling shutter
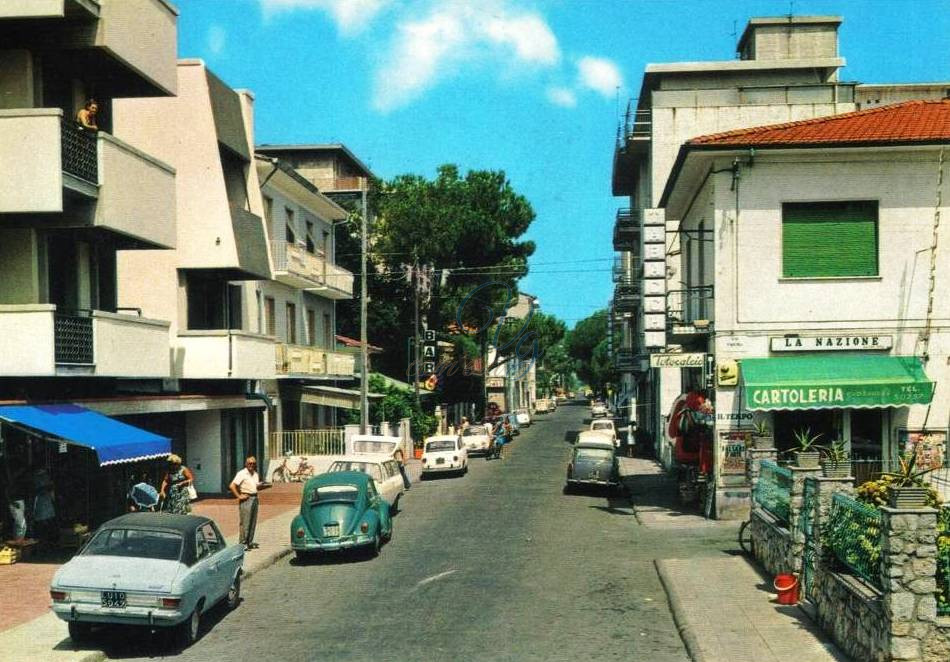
828	239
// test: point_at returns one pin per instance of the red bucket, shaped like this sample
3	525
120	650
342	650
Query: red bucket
787	587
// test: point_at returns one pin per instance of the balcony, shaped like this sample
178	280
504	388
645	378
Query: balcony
626	298
295	266
689	313
124	48
223	354
339	283
627	230
304	361
51	165
624	270
340	184
39	340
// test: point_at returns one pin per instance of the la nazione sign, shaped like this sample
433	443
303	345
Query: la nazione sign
678	360
830	343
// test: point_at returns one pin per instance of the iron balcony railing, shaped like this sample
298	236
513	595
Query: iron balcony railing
627	230
624	269
79	148
327	441
637	124
626	297
689	305
73	337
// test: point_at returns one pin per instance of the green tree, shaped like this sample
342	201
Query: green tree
587	345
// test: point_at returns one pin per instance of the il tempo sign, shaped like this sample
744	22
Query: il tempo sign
836	342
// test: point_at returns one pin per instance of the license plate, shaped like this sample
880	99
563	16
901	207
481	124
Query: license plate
113	599
331	530
440	460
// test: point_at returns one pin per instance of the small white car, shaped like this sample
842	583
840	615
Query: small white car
523	417
605	426
594	438
381	468
543	406
375	444
444	453
598	409
476	439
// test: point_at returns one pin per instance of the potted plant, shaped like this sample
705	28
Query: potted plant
761	435
836	461
907	488
808	454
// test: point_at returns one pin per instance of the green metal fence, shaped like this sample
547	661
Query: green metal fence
773	492
854	536
943	563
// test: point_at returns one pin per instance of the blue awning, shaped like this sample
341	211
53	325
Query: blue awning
112	440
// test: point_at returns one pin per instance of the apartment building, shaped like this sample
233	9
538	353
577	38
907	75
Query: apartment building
673	274
74	200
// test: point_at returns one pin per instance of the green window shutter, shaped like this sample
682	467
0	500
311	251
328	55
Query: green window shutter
827	239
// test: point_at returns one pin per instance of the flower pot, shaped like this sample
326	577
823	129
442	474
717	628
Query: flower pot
908	498
836	469
417	453
765	441
807	459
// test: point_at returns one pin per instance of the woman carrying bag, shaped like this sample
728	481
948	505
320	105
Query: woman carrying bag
177	487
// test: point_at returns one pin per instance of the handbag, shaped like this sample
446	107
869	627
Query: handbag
192	493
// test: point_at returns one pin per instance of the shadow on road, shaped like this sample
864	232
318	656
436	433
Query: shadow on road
570	436
657	491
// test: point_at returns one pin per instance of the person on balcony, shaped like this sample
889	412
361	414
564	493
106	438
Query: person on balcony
86	117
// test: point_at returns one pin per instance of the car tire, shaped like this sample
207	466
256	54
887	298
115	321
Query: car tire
80	632
374	548
302	555
568	489
190	629
394	509
234	592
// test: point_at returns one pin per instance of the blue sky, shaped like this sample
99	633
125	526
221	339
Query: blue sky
528	87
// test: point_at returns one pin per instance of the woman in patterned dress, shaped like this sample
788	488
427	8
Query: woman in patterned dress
175	487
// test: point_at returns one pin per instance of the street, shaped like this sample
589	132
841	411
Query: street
496	565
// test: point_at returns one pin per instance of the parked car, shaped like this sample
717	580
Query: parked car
375	444
444	453
149	569
598	409
340	511
476	439
594	438
605	426
381	468
543	406
523	417
593	465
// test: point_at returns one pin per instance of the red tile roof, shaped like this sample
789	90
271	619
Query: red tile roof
351	342
900	123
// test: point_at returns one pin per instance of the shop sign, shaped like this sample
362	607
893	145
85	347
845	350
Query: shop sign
732	451
735	418
495	382
832	342
678	360
850	395
928	446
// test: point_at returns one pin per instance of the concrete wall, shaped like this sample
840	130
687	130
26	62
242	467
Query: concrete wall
16	79
30	160
18	255
204	449
130	346
26	340
205	355
144	34
784	42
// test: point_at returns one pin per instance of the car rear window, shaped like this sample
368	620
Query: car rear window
135	543
594	454
363	467
385	447
602	426
335	493
473	432
443	445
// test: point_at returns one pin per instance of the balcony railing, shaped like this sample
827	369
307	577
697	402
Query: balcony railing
339	279
73	338
304	360
627	230
626	299
690	305
329	184
307	442
80	156
637	124
623	270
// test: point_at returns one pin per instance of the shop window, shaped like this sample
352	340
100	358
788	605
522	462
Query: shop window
829	239
824	422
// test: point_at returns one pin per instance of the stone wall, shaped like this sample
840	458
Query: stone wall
852	612
772	542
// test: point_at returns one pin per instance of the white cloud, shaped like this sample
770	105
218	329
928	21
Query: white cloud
350	16
217	37
562	96
599	74
453	33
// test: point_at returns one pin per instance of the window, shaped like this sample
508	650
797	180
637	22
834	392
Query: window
290	234
829	239
291	324
327	331
268	209
270	316
311	327
326	243
311	247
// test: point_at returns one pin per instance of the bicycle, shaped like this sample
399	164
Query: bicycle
745	538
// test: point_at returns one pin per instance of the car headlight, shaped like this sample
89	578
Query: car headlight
364	527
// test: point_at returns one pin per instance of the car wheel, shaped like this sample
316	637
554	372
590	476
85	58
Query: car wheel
393	509
374	548
234	592
568	489
189	630
80	632
302	555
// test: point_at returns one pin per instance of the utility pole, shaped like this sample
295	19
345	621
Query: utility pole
415	288
364	343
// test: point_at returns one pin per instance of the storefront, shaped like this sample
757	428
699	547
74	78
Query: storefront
859	399
76	460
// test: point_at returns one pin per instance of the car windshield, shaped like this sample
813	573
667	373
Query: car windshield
362	467
594	454
136	543
441	445
335	493
386	447
603	426
473	432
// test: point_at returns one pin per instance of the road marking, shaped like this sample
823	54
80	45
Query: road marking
429	580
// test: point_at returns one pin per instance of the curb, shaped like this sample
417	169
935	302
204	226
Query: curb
267	562
690	640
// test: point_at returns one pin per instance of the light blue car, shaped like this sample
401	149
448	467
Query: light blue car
149	569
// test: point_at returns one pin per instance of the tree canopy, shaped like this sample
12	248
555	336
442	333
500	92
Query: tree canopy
587	344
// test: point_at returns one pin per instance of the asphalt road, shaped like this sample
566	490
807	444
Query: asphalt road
496	565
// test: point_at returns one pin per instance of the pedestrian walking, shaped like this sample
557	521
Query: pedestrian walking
244	487
44	509
401	462
175	486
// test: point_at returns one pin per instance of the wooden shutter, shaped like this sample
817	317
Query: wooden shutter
829	239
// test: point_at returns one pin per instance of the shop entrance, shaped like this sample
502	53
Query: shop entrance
866	444
824	422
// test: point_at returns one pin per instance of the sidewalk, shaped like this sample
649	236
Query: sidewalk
722	605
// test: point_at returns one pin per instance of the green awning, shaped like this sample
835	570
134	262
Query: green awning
835	382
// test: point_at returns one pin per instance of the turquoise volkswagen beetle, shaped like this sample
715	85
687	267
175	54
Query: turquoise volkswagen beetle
340	510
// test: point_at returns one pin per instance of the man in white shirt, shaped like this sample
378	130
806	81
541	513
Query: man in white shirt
244	488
